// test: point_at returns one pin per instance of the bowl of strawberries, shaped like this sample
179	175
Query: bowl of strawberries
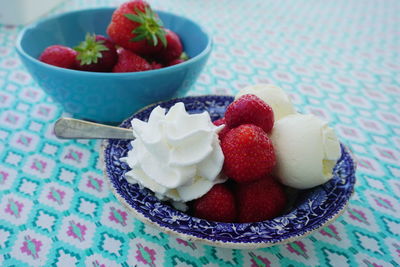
224	180
103	64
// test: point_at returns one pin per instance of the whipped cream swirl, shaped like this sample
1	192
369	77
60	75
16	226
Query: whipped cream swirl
176	155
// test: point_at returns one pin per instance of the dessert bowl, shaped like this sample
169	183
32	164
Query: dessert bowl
108	97
311	210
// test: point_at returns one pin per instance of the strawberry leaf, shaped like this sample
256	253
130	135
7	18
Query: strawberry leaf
161	35
151	27
184	56
138	38
134	18
155	40
89	51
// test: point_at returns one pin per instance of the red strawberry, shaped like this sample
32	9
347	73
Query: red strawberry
96	53
219	122
130	62
249	153
226	129
59	55
182	58
218	204
250	109
155	65
260	200
135	26
174	48
176	62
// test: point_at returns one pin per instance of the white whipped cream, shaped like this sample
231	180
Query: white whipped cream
176	155
306	150
274	96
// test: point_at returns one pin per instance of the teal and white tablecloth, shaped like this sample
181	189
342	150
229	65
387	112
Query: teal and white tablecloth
337	59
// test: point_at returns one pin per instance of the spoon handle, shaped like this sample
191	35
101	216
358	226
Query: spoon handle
68	128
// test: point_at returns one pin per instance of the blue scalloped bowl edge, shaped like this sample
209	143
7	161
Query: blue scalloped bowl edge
313	210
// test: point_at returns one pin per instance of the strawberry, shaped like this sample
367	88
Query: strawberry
226	129
249	153
175	62
130	62
96	53
218	204
173	50
219	122
59	55
260	200
250	109
182	58
135	26
155	65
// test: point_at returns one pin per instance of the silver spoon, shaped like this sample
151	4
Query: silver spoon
68	128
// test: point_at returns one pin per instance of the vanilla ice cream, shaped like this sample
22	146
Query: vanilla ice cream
176	155
274	96
306	150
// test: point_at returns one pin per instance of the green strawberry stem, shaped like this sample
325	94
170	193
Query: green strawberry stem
150	29
89	51
184	56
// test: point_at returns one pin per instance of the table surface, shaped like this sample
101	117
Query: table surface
337	59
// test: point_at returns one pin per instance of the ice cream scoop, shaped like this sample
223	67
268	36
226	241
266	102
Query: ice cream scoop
274	96
306	150
175	154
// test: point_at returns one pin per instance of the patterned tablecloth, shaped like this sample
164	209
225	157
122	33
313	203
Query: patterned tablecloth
337	59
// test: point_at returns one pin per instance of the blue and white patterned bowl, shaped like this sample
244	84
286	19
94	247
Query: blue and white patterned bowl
312	210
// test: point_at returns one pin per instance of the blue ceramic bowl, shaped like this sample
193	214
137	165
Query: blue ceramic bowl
108	97
311	209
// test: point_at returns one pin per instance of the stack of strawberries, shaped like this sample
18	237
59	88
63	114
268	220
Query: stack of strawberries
137	42
251	193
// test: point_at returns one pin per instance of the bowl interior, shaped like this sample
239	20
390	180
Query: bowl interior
312	209
70	29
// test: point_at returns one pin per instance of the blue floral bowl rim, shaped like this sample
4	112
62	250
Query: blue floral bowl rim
217	243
